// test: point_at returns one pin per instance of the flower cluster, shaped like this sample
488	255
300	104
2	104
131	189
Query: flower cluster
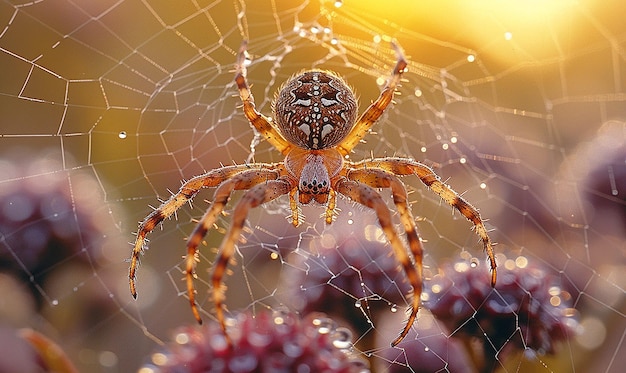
52	218
345	278
527	310
264	342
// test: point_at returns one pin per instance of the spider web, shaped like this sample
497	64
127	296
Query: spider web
521	106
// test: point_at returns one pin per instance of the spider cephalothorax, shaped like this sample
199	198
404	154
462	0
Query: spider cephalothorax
316	126
315	168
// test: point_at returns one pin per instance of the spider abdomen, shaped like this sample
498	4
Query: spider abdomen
315	109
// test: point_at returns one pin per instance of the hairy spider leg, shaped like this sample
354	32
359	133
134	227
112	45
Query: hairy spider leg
377	108
258	120
378	178
406	166
367	196
293	206
186	192
254	197
330	207
241	181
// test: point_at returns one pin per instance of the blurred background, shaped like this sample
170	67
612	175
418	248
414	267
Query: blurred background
106	106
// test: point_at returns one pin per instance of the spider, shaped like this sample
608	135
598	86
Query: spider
315	127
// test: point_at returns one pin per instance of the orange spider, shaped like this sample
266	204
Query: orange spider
315	126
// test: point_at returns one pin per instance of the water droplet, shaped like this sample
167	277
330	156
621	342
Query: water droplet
324	325
483	185
521	262
471	58
182	338
159	358
394	308
357	304
122	135
338	3
280	315
342	338
474	263
55	302
554	290
461	266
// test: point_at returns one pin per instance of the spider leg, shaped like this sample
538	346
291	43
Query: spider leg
367	196
376	109
243	180
378	178
293	206
330	208
186	192
254	197
258	120
406	166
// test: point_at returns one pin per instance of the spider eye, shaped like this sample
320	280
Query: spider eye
315	110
